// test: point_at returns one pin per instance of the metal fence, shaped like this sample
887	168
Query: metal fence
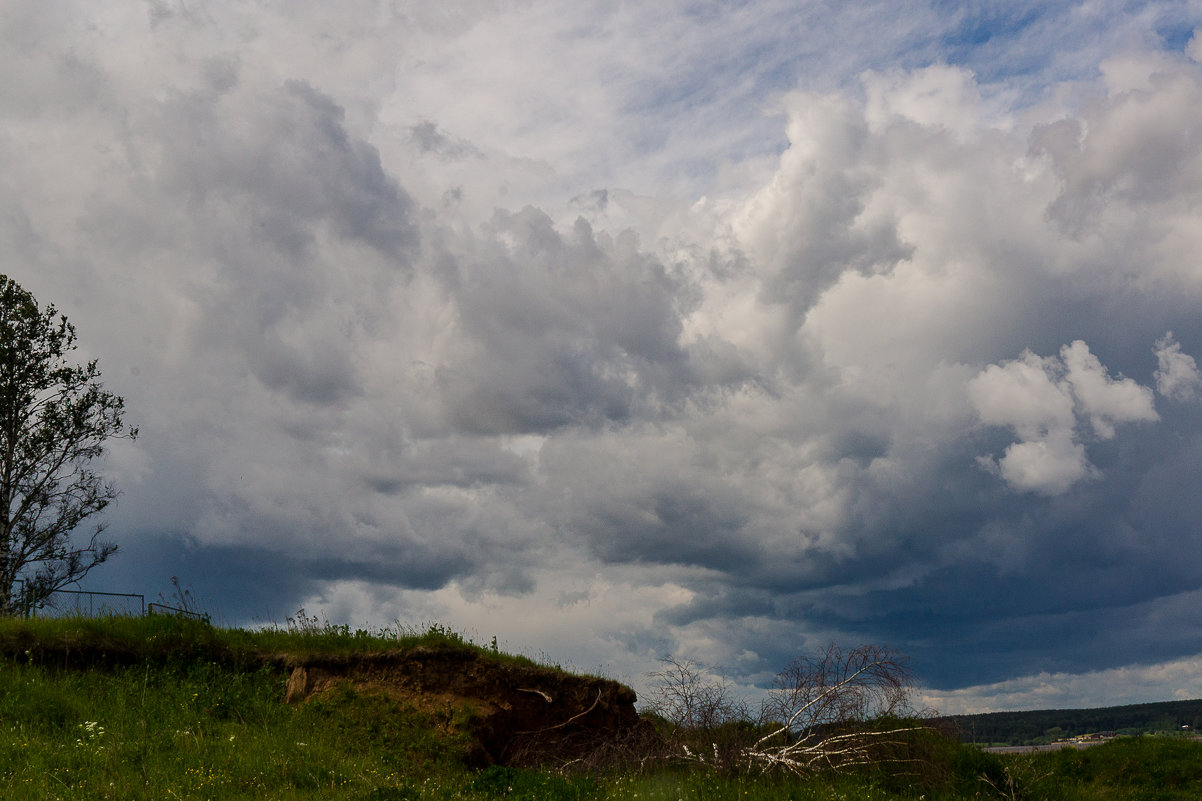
94	603
89	603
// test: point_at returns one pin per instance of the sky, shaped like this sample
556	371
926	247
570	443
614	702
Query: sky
720	330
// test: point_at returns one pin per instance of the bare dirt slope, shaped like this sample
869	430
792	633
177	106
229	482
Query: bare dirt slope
521	714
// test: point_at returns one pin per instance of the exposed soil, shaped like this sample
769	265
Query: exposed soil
521	715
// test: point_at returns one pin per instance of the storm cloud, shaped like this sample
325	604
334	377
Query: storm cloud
544	322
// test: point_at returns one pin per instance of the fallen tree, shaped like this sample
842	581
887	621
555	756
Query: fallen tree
837	710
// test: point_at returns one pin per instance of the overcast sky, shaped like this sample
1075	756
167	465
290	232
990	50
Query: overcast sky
716	329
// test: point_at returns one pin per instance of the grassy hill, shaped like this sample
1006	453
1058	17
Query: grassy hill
169	708
166	707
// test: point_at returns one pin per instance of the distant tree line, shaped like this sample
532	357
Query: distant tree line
1046	725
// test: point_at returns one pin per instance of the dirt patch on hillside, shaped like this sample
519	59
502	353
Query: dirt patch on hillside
521	715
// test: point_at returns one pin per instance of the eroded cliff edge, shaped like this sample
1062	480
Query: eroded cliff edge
520	714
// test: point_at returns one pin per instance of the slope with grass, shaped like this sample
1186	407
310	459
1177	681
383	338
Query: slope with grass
165	708
519	712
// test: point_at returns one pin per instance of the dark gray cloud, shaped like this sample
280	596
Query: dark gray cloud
559	329
429	139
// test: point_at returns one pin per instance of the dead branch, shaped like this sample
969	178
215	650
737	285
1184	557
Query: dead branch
826	711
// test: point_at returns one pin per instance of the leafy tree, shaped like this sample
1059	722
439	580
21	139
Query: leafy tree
54	419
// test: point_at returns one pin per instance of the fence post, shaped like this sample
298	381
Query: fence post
25	610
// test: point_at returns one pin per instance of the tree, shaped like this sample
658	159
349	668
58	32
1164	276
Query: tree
54	419
837	710
834	711
683	695
701	718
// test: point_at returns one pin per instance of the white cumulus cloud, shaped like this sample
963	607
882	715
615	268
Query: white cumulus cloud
1177	374
1045	400
1102	399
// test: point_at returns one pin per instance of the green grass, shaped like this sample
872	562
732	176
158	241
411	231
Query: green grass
1126	769
166	636
173	708
166	708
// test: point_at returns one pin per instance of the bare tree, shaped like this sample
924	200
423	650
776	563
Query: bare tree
54	419
707	722
837	710
684	694
834	711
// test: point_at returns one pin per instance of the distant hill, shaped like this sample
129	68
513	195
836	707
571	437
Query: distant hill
1048	725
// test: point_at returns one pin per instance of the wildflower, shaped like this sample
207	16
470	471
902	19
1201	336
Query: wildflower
92	731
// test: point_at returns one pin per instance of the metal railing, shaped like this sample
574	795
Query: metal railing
95	603
172	610
89	603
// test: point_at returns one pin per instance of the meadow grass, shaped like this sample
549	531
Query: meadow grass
169	708
195	729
